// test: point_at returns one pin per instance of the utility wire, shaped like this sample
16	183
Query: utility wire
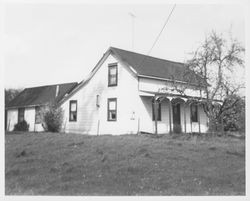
158	36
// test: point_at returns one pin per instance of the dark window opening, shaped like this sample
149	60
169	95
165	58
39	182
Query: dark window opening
73	110
194	113
21	114
38	117
112	75
158	111
112	109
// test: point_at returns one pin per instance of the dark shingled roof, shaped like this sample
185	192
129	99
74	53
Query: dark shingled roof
156	67
41	95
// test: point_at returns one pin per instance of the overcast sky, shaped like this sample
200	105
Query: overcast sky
57	43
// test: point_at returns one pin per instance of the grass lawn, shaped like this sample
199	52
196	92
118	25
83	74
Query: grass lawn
70	164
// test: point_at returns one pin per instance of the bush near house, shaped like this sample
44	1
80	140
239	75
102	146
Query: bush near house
234	118
53	117
21	126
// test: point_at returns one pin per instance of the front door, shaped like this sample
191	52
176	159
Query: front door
177	118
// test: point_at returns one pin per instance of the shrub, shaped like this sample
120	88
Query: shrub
215	126
53	118
21	126
234	118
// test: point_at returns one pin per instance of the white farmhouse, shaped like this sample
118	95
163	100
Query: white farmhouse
118	96
125	93
29	103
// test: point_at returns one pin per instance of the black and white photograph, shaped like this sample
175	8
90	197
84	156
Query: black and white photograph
124	99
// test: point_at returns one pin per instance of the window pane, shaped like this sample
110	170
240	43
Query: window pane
112	105
71	116
112	75
73	106
112	80
112	115
73	111
112	71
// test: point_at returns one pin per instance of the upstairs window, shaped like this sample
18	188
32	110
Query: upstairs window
158	111
194	113
73	110
112	109
38	118
21	114
112	75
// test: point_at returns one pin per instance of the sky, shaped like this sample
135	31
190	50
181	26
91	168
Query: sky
56	43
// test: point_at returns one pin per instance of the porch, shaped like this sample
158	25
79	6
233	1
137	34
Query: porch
175	114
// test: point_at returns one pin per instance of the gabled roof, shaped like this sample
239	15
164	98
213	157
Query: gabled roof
155	67
41	95
144	65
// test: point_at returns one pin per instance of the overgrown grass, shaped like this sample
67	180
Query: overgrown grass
70	164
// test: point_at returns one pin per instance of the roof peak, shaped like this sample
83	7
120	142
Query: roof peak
111	47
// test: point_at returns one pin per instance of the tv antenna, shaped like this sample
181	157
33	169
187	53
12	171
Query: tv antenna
133	27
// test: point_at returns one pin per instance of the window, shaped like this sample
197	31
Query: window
194	113
112	109
21	114
38	118
112	76
158	111
73	110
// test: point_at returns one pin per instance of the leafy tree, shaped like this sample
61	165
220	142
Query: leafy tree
215	63
10	94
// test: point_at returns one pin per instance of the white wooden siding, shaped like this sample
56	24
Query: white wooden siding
134	112
29	116
154	85
12	118
88	114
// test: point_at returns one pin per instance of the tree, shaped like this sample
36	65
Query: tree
10	94
214	64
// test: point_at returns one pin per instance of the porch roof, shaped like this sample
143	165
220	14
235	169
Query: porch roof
171	96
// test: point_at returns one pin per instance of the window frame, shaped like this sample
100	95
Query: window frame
38	112
110	66
18	115
108	110
159	111
194	118
70	112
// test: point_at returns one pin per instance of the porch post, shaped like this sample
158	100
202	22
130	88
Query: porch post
191	123
155	114
185	126
170	112
199	118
